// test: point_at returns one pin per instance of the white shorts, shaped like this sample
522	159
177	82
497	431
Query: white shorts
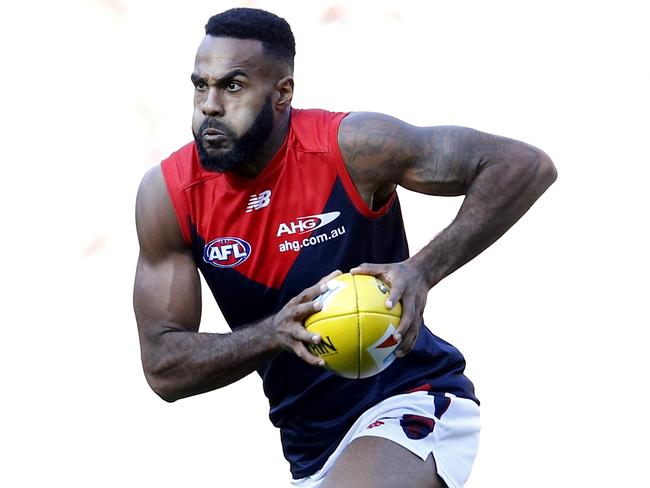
447	427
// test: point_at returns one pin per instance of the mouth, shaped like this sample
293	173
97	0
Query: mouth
214	138
212	132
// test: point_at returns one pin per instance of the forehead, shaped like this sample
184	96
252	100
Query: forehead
220	54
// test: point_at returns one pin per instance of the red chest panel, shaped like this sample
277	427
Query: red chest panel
247	225
258	227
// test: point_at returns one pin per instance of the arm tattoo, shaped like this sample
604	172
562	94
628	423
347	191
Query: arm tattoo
369	146
436	160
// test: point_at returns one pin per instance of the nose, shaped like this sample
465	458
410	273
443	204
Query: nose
213	106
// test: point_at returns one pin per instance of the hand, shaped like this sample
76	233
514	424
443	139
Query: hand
408	283
288	323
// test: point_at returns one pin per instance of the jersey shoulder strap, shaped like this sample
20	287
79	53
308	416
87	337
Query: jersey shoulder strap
182	170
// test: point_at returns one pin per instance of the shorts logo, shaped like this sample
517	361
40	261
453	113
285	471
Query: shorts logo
226	252
307	224
416	426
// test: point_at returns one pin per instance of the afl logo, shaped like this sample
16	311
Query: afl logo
226	252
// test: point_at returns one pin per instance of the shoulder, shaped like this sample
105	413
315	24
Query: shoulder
156	222
372	135
152	189
314	130
314	115
377	148
182	168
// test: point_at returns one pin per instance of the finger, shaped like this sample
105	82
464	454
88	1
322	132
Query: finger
369	269
318	289
298	332
408	342
304	310
333	274
415	328
322	283
408	312
381	271
303	353
410	336
395	295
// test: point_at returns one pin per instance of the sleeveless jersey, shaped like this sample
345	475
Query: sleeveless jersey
259	242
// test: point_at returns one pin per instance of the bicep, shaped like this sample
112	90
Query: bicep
444	160
167	292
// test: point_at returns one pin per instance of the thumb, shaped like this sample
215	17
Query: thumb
369	269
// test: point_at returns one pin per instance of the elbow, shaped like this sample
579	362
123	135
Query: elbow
546	170
535	170
162	388
158	378
165	393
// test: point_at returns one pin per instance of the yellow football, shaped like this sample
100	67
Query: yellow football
355	326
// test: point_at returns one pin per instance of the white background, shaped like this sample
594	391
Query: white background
551	319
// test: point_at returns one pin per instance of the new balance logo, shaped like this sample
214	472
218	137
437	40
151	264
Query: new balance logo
256	202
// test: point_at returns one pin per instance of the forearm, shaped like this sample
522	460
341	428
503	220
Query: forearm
179	363
501	192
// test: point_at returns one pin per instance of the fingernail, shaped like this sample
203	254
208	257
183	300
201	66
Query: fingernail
389	304
323	287
321	363
397	336
315	339
318	305
399	354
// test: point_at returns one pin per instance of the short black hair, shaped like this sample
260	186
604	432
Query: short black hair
251	23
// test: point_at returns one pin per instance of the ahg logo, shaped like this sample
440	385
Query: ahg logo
307	224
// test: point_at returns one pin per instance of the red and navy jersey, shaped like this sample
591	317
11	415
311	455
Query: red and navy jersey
259	242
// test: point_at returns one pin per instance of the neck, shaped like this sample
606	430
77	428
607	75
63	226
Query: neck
268	150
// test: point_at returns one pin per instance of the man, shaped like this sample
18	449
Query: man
241	203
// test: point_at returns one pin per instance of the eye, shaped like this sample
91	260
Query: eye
233	86
200	85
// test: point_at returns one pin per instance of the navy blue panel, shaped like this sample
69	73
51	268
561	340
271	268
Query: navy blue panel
313	407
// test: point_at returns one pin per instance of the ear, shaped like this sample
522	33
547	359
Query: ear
284	88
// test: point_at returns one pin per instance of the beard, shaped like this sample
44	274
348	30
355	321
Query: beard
243	148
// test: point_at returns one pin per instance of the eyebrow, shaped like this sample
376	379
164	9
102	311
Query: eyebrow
228	76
